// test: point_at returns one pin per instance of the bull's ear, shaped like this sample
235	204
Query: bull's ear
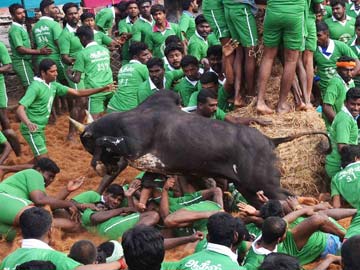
115	145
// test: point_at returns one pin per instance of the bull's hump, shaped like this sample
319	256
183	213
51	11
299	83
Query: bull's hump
148	162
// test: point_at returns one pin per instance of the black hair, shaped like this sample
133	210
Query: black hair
186	4
140	2
357	22
204	94
46	64
157	8
14	7
115	190
130	3
280	261
221	228
200	19
101	257
143	248
35	222
209	77
215	50
44	4
172	39
46	165
337	2
155	62
36	265
322	27
86	32
353	93
69	5
106	247
173	47
84	252
86	15
136	48
240	228
272	229
272	208
348	154
345	59
350	251
188	60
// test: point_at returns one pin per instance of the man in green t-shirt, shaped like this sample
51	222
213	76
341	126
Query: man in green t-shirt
35	106
187	19
143	26
130	77
334	97
198	43
343	131
174	53
106	18
354	44
353	8
35	226
20	44
93	62
341	26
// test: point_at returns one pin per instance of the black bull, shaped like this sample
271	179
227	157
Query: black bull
159	137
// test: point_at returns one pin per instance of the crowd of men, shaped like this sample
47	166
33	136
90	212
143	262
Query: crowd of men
66	61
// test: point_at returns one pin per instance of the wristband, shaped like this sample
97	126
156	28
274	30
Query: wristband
122	263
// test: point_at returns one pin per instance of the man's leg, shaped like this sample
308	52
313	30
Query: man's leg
8	131
302	82
309	69
250	66
149	218
238	100
36	141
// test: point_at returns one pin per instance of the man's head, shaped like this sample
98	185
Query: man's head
36	265
350	251
17	12
172	39
71	11
190	66
48	70
113	196
132	9
214	55
120	10
48	8
112	249
349	154
242	232
202	26
158	13
83	251
338	9
322	32
143	248
222	229
273	230
345	67
190	5
85	34
140	51
174	53
145	7
88	19
352	101
47	168
156	70
280	261
209	80
207	103
35	223
272	208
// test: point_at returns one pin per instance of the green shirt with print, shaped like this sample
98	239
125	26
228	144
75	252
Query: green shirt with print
4	60
105	18
22	183
187	24
94	62
130	77
102	39
341	31
19	37
186	88
141	29
38	100
198	46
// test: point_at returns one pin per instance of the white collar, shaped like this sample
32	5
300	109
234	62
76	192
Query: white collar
95	31
348	18
170	67
354	163
135	61
145	20
222	250
46	18
345	110
113	12
353	43
193	83
200	37
128	21
70	28
35	243
92	43
153	86
222	82
345	83
18	24
102	199
329	49
352	7
42	81
261	250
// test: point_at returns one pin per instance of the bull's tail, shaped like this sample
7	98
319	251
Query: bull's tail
281	140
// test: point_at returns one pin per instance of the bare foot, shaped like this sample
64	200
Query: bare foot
262	108
300	107
239	102
283	108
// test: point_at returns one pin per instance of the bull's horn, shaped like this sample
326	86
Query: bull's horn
79	126
90	119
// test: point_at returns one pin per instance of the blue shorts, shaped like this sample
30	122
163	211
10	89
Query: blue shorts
333	245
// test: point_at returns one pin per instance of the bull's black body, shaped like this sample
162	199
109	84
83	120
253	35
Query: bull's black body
186	144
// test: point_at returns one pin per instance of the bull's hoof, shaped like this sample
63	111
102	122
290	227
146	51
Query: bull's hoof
100	169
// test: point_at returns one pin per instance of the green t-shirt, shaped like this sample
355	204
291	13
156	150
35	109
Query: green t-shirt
94	62
222	99
351	11
69	43
88	197
354	228
219	115
102	39
156	39
22	255
38	100
19	37
212	4
186	88
341	31
198	46
326	61
105	18
345	182
213	40
130	77
4	58
141	29
356	50
187	24
2	138
125	26
22	183
286	6
45	32
344	130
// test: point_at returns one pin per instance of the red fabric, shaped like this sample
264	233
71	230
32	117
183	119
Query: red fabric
99	3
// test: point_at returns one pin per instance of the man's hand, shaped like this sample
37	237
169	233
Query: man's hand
75	184
112	87
128	210
230	47
69	72
141	207
205	63
261	196
197	236
322	206
134	186
246	208
32	127
170	183
293	202
84	206
74	212
45	51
